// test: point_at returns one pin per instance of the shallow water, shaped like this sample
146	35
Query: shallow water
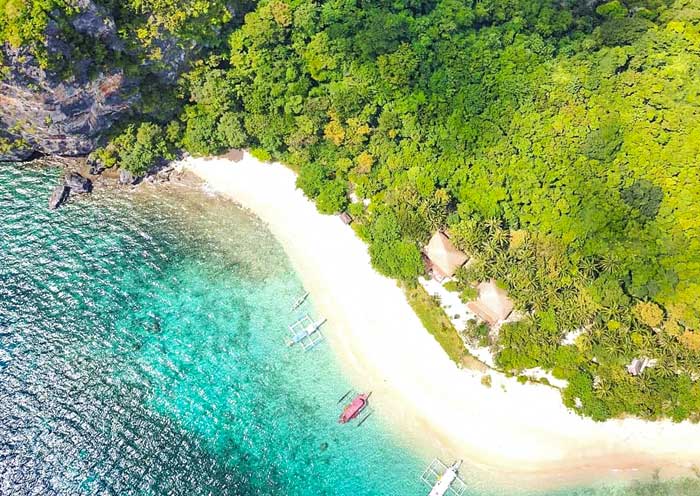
142	352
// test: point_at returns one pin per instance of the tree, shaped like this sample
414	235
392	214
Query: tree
644	199
398	259
398	68
649	313
137	149
200	136
230	131
332	197
312	178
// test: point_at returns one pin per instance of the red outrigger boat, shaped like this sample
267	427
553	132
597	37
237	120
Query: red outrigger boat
354	408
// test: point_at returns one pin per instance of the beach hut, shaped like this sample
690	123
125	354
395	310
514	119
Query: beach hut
493	304
639	364
443	257
345	217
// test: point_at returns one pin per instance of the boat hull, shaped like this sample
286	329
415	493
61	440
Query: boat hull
353	409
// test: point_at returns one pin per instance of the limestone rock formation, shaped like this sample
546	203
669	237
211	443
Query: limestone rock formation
77	183
57	117
67	112
59	196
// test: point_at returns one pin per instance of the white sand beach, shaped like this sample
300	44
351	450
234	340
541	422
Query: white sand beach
519	435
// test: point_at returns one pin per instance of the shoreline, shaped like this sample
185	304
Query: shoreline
513	435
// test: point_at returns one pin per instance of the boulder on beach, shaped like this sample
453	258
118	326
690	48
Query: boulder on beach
59	196
96	165
126	177
77	183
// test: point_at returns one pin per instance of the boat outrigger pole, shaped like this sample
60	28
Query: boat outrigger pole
305	332
299	302
362	420
345	396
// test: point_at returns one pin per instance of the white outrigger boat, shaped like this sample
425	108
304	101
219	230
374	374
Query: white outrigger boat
306	332
444	480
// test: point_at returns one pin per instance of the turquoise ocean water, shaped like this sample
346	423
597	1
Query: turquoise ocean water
142	353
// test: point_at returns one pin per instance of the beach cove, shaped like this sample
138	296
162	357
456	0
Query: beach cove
142	352
512	435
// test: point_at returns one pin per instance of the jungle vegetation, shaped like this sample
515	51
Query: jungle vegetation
557	141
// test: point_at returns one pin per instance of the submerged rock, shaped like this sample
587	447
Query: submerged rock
59	196
163	175
77	183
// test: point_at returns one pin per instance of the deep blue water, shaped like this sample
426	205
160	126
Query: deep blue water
142	353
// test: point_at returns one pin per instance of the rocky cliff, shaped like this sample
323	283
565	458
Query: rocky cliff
47	113
49	116
66	111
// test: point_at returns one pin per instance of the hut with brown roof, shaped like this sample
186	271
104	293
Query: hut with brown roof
443	256
493	304
346	218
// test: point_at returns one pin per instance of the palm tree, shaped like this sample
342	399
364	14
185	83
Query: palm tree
609	263
589	267
500	237
585	342
665	368
492	225
602	387
612	312
476	270
489	248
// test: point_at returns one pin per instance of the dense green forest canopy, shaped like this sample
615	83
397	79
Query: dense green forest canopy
556	141
145	29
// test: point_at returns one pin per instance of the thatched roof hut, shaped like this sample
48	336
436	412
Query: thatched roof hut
444	256
493	304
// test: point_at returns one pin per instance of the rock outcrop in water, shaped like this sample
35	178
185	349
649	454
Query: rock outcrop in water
77	183
59	196
73	182
96	166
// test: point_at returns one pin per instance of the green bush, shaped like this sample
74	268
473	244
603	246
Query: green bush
230	131
261	154
200	136
312	177
332	197
612	9
451	286
398	259
469	293
137	149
